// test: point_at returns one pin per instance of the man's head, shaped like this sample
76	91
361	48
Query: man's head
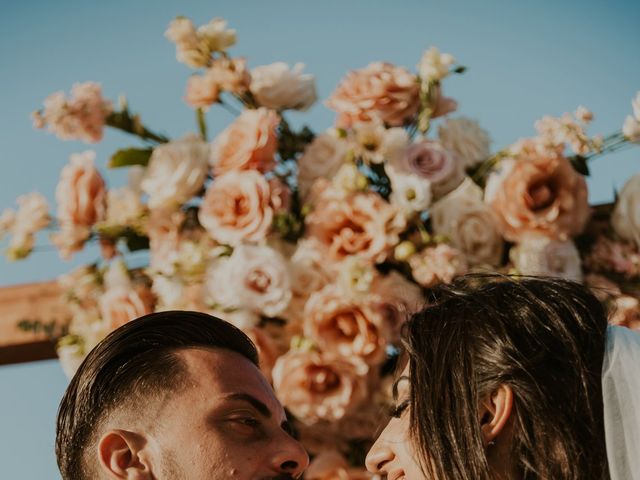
174	395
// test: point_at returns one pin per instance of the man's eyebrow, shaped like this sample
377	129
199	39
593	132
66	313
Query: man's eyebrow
255	403
394	389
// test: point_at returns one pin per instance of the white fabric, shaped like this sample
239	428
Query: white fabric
621	392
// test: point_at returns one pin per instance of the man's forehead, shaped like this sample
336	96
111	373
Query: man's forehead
222	373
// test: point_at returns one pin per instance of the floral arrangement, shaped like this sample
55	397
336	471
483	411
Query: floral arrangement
318	245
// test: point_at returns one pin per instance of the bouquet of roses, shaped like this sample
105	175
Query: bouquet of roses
319	245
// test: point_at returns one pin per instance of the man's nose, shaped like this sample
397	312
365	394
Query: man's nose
379	456
291	457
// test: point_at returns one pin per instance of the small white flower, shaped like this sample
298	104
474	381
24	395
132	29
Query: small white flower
435	66
410	192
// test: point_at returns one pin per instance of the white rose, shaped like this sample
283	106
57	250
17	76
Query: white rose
469	223
254	277
631	129
539	255
625	218
176	171
465	137
322	158
434	66
278	87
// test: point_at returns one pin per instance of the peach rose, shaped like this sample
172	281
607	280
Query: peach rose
347	326
81	192
120	305
539	194
237	207
429	160
331	465
380	91
358	223
439	264
224	75
249	143
319	386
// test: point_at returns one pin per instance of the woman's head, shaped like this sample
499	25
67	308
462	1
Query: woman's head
504	380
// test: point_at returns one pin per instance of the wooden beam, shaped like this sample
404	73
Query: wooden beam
39	302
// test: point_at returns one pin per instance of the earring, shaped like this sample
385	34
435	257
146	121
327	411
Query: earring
491	443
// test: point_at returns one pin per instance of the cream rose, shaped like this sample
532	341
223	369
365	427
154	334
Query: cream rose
435	66
470	224
249	143
176	171
237	207
356	223
322	158
347	326
319	386
279	87
380	91
255	278
429	160
540	193
625	218
539	255
465	137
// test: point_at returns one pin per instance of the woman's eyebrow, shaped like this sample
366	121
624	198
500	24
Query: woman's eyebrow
394	389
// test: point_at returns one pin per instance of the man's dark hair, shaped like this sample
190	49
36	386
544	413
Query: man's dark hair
545	338
130	366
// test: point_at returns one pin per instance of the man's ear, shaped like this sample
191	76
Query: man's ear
122	455
495	412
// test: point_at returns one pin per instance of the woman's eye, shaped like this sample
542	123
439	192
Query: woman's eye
396	412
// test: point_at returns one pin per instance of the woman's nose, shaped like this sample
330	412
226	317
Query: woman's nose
291	457
379	456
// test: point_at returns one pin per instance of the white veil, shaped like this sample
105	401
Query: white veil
621	394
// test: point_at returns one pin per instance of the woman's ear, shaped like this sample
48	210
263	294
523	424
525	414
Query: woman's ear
495	412
120	455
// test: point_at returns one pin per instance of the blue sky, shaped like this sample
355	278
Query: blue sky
525	59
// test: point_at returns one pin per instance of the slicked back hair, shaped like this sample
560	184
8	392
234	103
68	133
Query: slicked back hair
129	367
545	339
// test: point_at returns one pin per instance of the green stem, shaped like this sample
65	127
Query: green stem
125	122
202	123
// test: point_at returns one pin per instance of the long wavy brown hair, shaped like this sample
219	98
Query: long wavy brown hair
542	337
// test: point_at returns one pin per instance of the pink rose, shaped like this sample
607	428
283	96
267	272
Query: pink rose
249	143
82	117
429	160
348	326
238	207
354	224
380	91
316	386
539	193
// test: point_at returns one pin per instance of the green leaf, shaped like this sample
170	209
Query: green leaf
130	156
